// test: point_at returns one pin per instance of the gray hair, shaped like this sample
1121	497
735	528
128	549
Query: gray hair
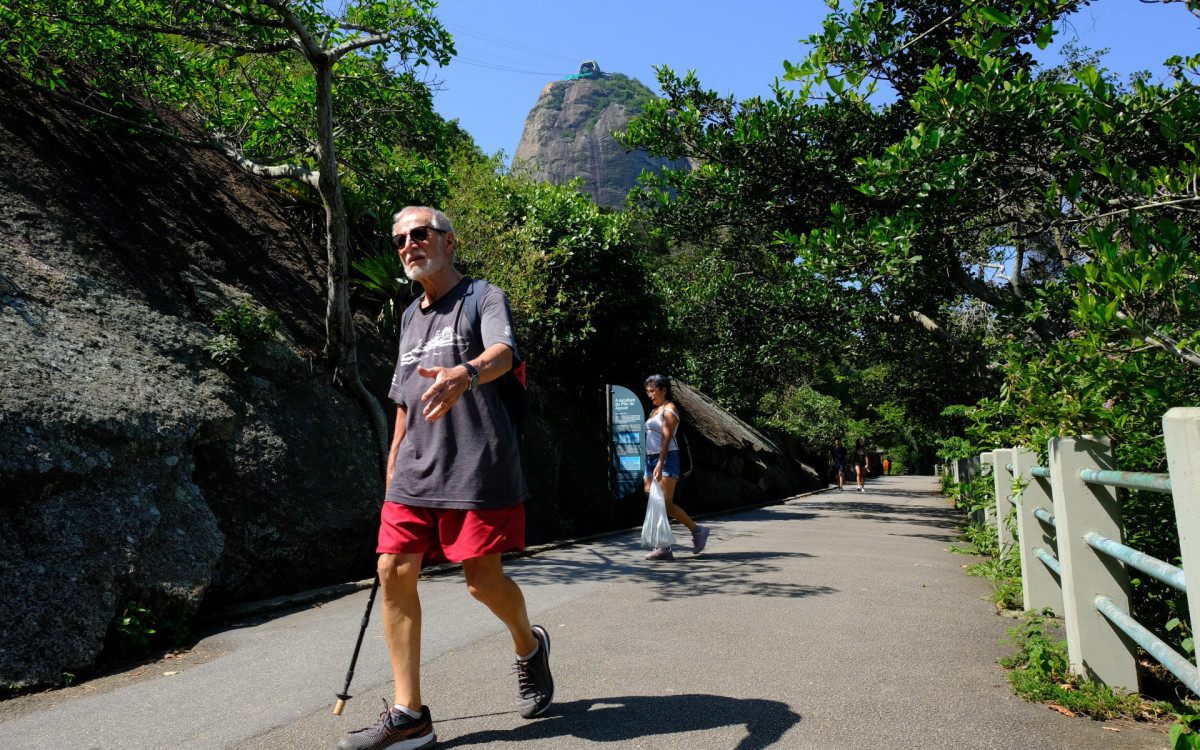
662	382
439	220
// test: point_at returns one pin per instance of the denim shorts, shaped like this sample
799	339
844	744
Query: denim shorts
670	465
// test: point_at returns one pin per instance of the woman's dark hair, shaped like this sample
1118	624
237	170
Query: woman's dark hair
662	382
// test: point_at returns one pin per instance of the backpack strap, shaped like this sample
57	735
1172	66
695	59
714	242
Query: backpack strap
408	314
474	307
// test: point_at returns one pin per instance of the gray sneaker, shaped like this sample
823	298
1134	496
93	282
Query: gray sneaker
394	729
661	553
700	539
535	684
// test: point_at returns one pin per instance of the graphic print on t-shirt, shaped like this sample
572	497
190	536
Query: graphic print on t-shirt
442	339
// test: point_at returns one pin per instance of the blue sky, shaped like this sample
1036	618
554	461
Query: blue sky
508	51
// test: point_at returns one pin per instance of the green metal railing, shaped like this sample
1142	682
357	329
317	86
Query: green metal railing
1151	566
1177	664
1058	499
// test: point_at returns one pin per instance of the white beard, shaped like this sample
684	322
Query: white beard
431	265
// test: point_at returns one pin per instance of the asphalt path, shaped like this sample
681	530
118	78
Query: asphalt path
835	620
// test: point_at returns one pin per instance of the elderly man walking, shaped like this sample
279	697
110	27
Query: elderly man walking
455	490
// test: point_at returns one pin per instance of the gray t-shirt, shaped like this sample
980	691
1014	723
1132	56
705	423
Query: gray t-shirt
469	458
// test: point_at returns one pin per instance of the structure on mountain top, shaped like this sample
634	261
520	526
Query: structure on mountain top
587	69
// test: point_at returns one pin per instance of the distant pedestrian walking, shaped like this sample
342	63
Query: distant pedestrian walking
662	461
887	465
839	462
860	463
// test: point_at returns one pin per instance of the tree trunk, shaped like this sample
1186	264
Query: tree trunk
340	342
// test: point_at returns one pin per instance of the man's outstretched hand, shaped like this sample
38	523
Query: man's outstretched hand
449	383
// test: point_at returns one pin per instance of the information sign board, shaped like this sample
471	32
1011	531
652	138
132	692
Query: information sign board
626	421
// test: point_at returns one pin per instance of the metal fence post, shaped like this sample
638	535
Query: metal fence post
1002	483
1039	585
1181	430
1095	647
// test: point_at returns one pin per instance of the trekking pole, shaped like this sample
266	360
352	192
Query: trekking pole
345	694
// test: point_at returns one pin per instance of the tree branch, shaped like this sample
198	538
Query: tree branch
1159	340
1045	329
1143	207
243	16
308	45
277	172
982	369
1000	267
209	39
340	51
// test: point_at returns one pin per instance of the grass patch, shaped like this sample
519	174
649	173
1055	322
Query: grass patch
1005	576
1040	673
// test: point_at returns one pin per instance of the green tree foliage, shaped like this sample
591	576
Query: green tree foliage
273	85
736	323
1057	210
575	273
810	420
1038	225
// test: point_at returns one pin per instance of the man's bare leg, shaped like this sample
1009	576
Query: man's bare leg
487	583
401	610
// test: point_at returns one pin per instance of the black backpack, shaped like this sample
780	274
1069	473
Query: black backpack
513	391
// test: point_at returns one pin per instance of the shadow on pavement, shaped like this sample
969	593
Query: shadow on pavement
885	512
948	537
735	573
635	717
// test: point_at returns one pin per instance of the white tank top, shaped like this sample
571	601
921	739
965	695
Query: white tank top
654	432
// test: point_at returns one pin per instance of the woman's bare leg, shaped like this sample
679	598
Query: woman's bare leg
673	510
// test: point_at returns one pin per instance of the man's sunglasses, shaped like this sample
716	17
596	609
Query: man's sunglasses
419	234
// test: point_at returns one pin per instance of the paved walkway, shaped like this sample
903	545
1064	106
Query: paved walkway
837	620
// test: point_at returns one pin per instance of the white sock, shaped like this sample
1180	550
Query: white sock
531	654
407	711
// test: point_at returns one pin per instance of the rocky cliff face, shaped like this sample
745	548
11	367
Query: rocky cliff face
568	134
132	468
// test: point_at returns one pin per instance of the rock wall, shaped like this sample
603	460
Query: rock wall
568	134
131	467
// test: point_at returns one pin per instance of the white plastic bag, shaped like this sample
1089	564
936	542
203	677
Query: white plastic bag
656	529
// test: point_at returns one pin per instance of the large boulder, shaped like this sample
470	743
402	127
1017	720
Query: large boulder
734	464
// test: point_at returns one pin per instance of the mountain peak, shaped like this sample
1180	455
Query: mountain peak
568	133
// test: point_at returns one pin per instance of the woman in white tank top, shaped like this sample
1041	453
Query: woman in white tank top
662	466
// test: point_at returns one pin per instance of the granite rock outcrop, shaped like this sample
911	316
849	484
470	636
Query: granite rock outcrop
568	134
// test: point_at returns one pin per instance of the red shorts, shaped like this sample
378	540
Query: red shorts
450	534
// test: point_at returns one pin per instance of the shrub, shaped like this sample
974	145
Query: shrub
238	327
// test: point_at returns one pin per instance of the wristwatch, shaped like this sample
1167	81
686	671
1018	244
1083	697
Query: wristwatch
474	376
